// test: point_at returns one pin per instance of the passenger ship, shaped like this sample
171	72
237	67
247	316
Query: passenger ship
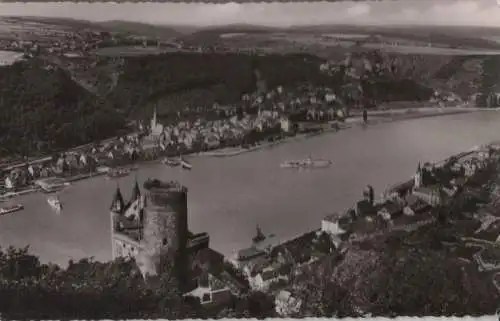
118	172
307	163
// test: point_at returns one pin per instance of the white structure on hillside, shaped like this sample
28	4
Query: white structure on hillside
330	225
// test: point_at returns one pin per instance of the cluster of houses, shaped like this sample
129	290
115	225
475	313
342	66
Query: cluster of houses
259	111
406	206
271	118
272	268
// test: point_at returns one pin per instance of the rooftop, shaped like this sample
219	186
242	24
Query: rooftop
491	254
334	217
426	190
167	186
249	253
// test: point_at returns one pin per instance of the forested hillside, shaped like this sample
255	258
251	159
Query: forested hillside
42	109
47	105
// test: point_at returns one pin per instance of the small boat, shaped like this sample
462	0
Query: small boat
172	162
307	163
11	209
118	172
52	188
185	164
259	237
55	203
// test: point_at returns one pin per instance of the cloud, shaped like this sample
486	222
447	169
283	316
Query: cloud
442	12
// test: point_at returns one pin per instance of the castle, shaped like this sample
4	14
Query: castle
152	227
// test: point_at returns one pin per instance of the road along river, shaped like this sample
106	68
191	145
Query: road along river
229	196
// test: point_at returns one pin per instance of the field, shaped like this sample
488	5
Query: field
421	50
130	51
314	42
9	57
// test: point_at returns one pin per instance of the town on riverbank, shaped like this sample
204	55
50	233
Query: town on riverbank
426	246
445	215
231	136
451	207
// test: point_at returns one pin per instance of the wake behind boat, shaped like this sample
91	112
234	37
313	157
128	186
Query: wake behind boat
307	163
11	209
55	203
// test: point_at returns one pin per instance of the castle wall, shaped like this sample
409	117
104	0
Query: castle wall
124	246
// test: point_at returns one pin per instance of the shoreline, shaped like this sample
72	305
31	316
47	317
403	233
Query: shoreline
392	187
387	116
397	115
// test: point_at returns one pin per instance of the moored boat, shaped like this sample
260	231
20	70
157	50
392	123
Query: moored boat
172	162
118	172
11	209
307	163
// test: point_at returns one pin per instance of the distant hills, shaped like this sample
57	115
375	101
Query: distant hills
473	36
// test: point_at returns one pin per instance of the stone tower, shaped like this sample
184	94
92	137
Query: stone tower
369	194
165	233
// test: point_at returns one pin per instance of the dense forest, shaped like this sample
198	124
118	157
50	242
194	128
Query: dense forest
489	80
42	109
147	79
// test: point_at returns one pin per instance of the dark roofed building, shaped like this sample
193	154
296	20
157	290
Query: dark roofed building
299	249
365	208
249	253
390	208
415	205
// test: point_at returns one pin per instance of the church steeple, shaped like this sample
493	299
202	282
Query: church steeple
118	203
154	121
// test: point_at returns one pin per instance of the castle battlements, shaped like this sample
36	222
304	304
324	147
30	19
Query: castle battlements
152	226
164	186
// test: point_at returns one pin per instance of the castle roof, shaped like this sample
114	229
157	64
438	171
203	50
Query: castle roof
136	192
118	204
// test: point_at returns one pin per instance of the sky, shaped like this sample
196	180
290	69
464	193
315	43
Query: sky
426	12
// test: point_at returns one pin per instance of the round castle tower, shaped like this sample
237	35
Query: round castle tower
165	226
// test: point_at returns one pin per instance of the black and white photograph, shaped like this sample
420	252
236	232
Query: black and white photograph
249	160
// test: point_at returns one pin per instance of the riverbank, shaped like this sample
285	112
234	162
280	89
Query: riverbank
375	118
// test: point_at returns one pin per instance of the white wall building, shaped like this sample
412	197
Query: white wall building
330	225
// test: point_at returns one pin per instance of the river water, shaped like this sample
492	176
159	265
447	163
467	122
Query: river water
229	196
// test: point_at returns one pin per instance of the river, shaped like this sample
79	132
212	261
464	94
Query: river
229	196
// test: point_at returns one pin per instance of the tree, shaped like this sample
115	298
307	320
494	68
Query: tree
85	289
418	282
